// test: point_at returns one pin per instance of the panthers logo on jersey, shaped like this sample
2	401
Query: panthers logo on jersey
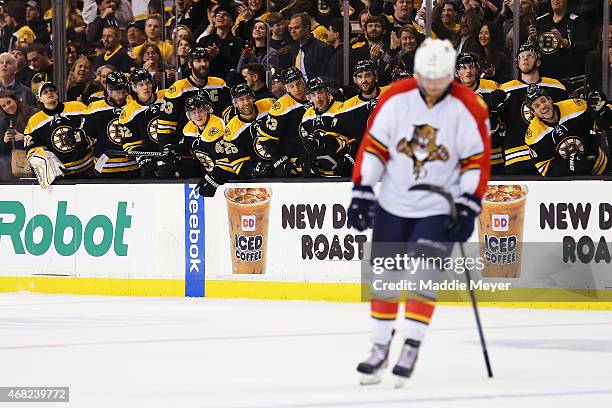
422	148
152	130
58	138
112	130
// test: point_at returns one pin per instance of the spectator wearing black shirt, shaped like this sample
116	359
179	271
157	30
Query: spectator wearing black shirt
335	68
563	40
255	77
497	63
373	49
38	59
115	12
223	46
135	36
279	38
24	72
80	80
35	22
403	13
114	54
311	56
247	16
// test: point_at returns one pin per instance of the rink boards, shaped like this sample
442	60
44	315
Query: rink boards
165	240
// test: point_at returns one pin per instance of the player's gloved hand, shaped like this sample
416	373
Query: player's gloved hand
315	142
578	164
166	165
461	230
362	208
308	163
147	167
496	101
596	101
346	161
284	168
262	169
207	186
75	137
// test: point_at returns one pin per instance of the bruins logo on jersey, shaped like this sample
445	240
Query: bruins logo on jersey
223	147
422	148
206	161
112	130
260	150
152	130
213	131
570	145
58	138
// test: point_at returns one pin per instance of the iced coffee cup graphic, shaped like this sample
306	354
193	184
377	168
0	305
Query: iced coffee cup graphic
500	230
248	212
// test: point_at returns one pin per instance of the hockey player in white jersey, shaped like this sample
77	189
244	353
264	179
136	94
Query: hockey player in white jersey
424	130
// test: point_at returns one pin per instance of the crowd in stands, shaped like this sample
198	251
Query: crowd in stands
290	53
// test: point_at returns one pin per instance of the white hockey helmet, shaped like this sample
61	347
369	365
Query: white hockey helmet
435	59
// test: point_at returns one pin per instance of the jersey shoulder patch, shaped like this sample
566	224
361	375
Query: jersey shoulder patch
281	105
128	112
176	89
570	108
535	131
214	129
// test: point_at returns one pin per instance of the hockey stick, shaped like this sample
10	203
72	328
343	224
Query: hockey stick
455	219
133	153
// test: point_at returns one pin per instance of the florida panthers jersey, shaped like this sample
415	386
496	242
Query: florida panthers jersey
410	142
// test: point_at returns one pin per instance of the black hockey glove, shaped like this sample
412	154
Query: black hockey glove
597	109
362	209
207	186
579	164
147	167
284	168
166	165
461	229
315	142
496	101
346	161
75	137
308	163
262	169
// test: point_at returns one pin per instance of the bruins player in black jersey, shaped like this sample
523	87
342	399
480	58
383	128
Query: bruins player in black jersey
322	150
101	124
205	131
515	114
279	136
244	158
138	119
54	132
352	119
172	117
468	74
560	137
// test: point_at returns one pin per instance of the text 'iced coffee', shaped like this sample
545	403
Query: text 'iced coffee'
248	213
500	230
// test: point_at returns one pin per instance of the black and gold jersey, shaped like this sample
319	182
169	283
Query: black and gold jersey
316	120
138	124
351	120
517	116
484	87
278	135
48	128
209	146
172	117
242	134
101	124
555	149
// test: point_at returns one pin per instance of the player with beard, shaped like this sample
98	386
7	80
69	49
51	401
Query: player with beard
172	117
53	134
138	119
352	118
101	124
510	102
468	74
561	138
241	159
206	130
278	136
322	150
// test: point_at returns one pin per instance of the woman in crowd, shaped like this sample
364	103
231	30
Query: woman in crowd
182	51
409	40
81	80
13	119
256	50
150	58
497	64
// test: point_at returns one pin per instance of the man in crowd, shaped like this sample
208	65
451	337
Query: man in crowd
35	21
375	49
24	73
335	67
38	59
153	31
255	77
311	55
8	69
114	54
107	12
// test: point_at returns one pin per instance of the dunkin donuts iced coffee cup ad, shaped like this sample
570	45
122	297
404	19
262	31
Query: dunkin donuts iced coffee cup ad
500	230
248	212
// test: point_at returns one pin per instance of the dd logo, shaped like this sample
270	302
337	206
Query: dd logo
500	222
248	222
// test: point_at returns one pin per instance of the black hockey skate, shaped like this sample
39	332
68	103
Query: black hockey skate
405	365
373	366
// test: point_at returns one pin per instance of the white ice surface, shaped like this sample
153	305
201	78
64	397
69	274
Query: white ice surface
176	352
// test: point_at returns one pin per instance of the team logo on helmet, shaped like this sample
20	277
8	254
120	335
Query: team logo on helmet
58	139
112	130
422	149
